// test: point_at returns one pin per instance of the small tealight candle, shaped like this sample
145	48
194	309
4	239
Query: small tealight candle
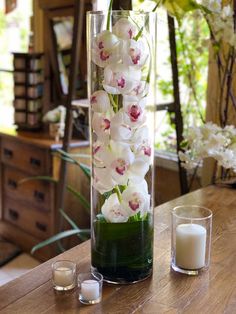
63	275
90	290
90	287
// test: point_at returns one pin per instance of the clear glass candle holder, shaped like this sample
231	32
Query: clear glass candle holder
191	239
90	287
64	275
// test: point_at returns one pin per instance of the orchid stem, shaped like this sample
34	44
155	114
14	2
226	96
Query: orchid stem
117	190
114	104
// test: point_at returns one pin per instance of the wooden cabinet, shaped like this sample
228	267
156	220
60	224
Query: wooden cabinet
28	210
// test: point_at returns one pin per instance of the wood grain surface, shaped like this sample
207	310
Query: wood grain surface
212	292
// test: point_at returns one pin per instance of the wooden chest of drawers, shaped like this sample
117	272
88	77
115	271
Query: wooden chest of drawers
28	209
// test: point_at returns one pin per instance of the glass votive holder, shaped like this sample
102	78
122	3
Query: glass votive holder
90	287
191	239
64	275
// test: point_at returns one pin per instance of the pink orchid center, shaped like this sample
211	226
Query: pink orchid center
117	212
134	113
93	99
147	151
104	55
135	56
120	166
137	89
96	149
100	45
121	82
130	33
134	203
105	125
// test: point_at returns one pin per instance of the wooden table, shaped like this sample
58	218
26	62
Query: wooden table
211	292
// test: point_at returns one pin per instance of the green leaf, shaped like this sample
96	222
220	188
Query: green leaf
68	219
57	237
43	178
62	152
180	7
73	224
86	170
81	198
67	157
101	218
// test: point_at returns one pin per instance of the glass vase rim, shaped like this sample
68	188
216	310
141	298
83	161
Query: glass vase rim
105	12
209	216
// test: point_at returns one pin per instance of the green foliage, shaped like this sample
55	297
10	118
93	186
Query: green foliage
57	237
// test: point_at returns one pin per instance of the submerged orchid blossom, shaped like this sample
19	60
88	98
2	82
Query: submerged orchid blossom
121	79
100	102
120	131
112	210
102	180
101	126
121	148
120	161
135	200
134	111
124	29
134	53
106	49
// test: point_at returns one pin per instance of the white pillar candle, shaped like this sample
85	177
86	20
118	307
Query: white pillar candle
90	290
190	246
63	276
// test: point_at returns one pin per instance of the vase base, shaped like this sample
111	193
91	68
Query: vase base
121	281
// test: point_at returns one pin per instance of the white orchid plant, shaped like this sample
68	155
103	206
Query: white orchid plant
55	115
210	140
122	150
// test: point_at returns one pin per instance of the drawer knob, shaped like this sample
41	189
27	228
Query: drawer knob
35	162
41	226
14	215
39	196
8	153
12	183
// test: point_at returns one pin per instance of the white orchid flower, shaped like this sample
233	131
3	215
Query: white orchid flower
121	79
120	131
212	5
226	12
101	126
112	210
106	49
138	170
134	53
96	151
144	151
100	101
140	89
102	180
118	159
134	109
139	136
135	200
124	29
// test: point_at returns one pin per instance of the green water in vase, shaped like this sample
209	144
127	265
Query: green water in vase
123	252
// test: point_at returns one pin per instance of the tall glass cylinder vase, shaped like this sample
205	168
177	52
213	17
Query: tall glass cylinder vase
121	80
